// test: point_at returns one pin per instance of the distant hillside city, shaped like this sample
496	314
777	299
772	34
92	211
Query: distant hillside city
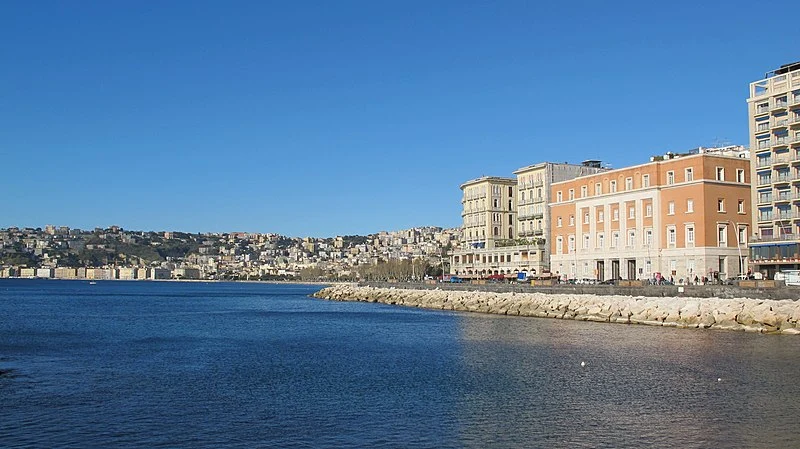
117	253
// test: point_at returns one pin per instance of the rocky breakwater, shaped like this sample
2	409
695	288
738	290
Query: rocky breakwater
754	315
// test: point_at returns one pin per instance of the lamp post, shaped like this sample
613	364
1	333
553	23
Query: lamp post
738	245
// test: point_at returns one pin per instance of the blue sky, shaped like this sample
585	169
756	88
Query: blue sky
330	118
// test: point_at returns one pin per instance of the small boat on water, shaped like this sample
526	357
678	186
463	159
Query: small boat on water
92	283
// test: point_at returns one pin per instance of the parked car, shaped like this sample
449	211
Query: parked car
456	280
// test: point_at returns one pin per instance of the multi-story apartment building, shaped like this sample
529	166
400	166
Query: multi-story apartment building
489	212
508	234
774	114
683	216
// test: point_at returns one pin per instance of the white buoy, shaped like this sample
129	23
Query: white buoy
719	379
583	363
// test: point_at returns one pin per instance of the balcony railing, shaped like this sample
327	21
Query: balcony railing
765	199
781	104
763	162
762	110
774	238
780	123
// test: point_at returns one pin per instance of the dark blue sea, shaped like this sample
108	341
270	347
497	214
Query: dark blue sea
213	365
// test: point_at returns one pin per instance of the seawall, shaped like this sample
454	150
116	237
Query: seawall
744	314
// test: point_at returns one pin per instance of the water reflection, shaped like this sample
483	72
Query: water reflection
525	386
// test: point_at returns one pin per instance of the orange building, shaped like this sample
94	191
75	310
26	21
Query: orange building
683	216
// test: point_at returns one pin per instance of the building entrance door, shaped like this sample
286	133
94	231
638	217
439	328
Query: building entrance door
601	270
631	269
615	269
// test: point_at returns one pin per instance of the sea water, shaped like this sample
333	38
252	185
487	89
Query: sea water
173	364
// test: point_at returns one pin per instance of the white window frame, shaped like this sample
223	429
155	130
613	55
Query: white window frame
689	205
670	177
671	208
720	173
645	180
689	174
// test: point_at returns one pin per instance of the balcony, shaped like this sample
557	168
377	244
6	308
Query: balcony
781	160
795	100
782	123
538	215
765	217
775	238
538	183
766	199
764	181
782	178
762	110
763	162
781	105
780	141
538	199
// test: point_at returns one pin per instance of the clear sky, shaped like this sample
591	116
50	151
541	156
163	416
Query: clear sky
324	118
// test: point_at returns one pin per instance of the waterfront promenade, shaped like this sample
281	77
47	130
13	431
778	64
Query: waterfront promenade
623	305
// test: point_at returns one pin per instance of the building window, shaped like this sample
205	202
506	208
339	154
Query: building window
559	245
690	235
631	238
720	205
586	241
720	174
558	222
600	240
612	186
739	175
689	206
598	189
689	174
645	180
571	194
584	191
572	220
648	237
722	235
671	236
670	177
671	208
615	239
571	244
616	215
586	218
558	196
740	207
631	212
628	183
600	216
743	236
648	210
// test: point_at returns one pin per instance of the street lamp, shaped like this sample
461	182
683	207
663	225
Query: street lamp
738	245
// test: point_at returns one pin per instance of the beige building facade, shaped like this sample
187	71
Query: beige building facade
681	216
774	119
506	221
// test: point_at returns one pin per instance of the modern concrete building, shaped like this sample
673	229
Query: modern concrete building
683	216
506	221
774	115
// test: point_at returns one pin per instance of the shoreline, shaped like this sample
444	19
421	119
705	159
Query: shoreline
737	314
